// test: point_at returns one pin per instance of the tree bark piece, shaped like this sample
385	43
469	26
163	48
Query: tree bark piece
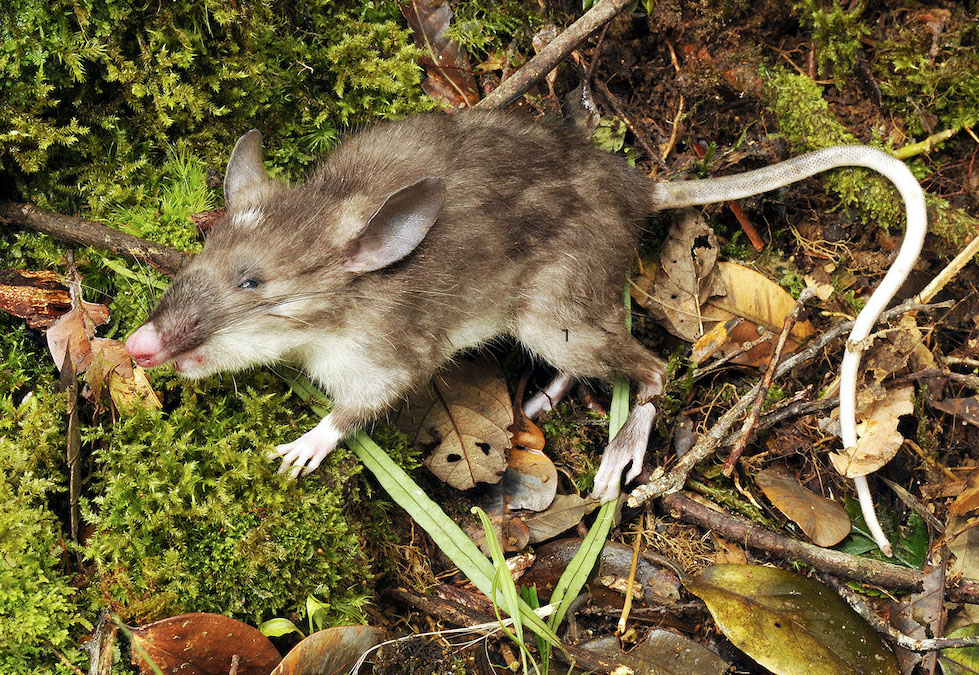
90	233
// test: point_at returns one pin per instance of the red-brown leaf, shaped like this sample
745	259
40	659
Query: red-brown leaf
203	644
450	79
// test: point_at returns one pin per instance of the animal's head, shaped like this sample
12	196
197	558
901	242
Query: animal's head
277	267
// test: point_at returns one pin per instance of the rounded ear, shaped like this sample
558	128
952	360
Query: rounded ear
245	180
397	227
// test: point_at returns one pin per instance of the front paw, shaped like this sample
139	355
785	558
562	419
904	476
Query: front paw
304	455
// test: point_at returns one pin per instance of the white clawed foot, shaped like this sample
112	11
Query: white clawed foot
628	447
304	455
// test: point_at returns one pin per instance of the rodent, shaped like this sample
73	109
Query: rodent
418	238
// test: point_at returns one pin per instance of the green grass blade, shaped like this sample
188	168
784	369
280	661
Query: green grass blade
442	529
503	582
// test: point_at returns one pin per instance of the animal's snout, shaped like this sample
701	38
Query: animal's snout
146	346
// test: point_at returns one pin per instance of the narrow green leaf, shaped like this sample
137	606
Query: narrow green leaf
503	582
442	529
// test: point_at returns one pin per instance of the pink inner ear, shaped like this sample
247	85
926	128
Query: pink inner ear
351	262
146	346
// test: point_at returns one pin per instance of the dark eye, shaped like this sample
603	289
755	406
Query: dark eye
250	284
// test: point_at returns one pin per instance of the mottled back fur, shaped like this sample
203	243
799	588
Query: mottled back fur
534	220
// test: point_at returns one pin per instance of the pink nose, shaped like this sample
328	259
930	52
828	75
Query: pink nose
146	347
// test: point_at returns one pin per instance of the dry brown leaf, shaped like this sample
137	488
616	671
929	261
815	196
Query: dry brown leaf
73	331
878	437
728	553
530	481
331	651
111	366
685	278
203	644
462	416
661	652
824	521
449	77
565	512
38	297
525	434
510	531
968	499
712	340
966	409
763	303
133	392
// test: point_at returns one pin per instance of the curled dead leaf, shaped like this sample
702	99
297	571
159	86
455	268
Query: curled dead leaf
763	304
530	481
332	651
823	520
510	531
878	437
449	77
202	644
73	331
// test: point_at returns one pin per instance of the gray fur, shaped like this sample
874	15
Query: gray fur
537	232
418	238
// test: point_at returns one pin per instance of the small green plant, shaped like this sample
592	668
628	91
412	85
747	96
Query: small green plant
320	614
482	27
610	136
836	34
793	282
505	591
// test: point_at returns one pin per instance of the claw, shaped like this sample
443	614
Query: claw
306	453
628	447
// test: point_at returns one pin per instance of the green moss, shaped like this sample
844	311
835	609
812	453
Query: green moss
807	124
191	517
941	87
96	93
482	27
836	35
38	609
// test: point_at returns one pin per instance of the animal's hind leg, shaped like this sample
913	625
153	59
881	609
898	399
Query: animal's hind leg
604	349
549	396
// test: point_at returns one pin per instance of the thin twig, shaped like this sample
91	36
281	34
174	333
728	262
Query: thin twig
613	101
91	233
627	604
709	442
743	349
851	567
968	380
766	381
554	53
859	605
947	274
673	132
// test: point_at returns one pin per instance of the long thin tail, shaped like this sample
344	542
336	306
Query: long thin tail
689	193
